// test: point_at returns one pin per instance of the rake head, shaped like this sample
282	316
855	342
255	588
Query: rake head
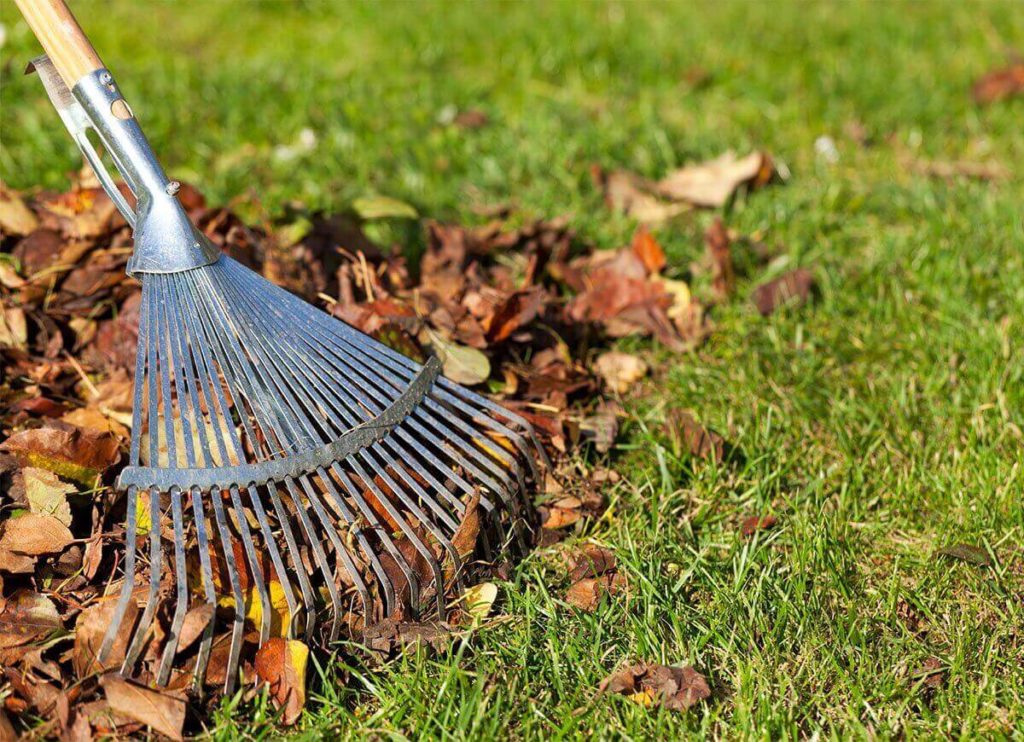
292	475
305	466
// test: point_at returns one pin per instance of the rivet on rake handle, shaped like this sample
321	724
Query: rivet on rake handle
304	467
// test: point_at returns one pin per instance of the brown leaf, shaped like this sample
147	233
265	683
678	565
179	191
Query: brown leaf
711	183
15	217
71	452
281	663
466	535
195	623
620	371
591	561
471	119
31	534
689	436
999	84
601	428
723	277
516	311
795	286
674	688
967	553
559	517
390	634
586	594
90	629
756	523
931	673
646	248
26	617
162	712
632	195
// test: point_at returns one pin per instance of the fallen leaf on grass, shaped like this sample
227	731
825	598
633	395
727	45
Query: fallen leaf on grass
756	523
620	371
13	328
719	251
479	599
646	248
632	195
281	663
383	207
931	674
591	561
999	84
674	688
967	553
795	286
586	594
711	183
962	169
601	429
162	712
689	436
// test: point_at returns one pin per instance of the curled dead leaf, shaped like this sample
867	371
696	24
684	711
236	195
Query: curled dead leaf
795	286
674	688
620	371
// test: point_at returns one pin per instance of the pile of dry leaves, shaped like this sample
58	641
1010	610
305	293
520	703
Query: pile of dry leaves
525	313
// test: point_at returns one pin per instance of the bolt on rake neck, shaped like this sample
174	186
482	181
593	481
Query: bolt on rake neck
166	241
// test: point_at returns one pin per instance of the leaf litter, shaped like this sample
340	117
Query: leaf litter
524	311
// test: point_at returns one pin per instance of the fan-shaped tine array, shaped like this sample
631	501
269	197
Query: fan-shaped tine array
240	388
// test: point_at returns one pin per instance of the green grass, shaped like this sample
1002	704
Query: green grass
879	425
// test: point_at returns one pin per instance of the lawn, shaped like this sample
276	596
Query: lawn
879	424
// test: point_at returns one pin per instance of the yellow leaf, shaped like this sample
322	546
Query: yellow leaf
479	599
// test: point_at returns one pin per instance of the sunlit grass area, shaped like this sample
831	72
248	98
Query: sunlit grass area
878	424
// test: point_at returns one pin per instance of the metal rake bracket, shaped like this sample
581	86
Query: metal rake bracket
252	475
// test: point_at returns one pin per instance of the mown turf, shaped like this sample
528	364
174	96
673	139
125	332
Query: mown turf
880	424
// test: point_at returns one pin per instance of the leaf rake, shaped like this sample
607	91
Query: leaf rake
291	472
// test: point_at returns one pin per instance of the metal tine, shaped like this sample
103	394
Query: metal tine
155	554
264	361
411	505
156	299
242	382
255	570
367	511
284	519
318	551
171	644
332	533
238	625
203	544
143	379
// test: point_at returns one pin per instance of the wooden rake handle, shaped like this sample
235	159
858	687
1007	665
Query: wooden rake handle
61	38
